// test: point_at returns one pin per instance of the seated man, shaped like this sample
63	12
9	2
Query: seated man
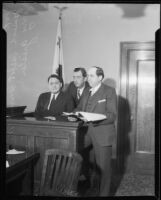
78	86
54	102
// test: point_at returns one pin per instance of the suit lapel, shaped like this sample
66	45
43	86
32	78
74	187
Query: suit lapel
96	97
85	99
47	99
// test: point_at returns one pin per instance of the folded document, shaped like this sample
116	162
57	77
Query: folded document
86	116
14	151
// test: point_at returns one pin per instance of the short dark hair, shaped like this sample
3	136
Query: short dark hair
99	71
57	77
83	71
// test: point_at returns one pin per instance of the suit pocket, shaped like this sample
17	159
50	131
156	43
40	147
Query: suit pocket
102	101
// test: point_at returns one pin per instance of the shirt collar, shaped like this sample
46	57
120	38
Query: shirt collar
94	90
81	90
52	94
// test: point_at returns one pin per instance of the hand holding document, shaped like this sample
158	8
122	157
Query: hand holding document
14	151
86	116
50	117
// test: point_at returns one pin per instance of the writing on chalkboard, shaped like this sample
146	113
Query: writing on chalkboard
15	27
6	21
20	38
24	55
27	26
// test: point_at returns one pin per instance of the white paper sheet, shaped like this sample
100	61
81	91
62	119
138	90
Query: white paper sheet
92	116
14	151
7	164
86	116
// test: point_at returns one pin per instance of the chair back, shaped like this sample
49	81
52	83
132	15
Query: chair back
60	174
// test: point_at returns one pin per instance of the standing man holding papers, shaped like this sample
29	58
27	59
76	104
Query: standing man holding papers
100	99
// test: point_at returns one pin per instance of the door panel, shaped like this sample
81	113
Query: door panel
145	107
137	89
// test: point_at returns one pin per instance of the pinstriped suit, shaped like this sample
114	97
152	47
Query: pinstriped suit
101	134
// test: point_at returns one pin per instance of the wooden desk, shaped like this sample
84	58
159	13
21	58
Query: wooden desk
20	174
39	135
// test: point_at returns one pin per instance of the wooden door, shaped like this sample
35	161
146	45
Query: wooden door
136	108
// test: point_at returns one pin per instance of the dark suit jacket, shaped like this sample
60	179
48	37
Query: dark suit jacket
103	102
72	90
63	103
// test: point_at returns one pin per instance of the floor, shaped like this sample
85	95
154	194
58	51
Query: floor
127	185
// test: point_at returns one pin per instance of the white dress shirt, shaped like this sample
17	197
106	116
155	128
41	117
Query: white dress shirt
94	90
80	91
51	97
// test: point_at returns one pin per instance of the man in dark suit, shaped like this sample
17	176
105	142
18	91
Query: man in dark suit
78	86
101	134
54	102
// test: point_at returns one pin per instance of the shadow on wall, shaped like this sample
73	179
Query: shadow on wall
110	82
123	127
121	148
123	131
132	10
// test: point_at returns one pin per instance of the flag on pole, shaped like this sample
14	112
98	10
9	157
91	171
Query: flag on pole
58	63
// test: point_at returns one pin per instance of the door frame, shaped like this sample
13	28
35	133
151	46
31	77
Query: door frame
123	149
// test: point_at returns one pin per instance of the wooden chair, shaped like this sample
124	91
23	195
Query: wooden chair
60	173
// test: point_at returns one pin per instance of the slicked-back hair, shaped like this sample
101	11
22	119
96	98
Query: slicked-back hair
57	77
99	71
83	71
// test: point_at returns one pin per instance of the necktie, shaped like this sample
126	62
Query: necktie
78	93
51	100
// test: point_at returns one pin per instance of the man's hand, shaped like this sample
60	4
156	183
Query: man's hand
72	119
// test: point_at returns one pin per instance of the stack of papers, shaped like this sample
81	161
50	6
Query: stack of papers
14	151
86	116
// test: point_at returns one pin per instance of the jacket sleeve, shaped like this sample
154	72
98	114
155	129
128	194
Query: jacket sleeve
69	103
111	107
39	110
38	107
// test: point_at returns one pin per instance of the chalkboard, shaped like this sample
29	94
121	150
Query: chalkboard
21	38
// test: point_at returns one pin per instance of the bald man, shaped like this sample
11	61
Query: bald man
101	134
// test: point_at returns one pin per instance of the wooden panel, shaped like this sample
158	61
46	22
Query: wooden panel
44	143
17	140
135	135
145	107
132	90
37	136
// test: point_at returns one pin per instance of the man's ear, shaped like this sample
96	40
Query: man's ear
100	78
